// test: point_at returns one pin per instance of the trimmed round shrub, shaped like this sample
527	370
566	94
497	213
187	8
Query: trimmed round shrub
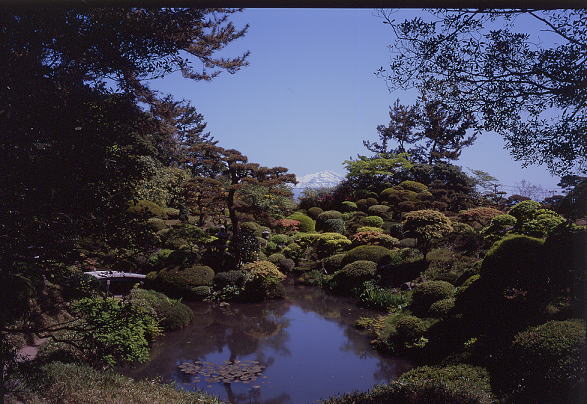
263	281
229	278
515	263
314	212
372	221
498	227
306	222
156	224
353	275
158	259
280	239
542	224
348	206
374	238
333	263
413	186
170	314
525	210
426	226
275	258
409	329
144	207
549	360
378	210
370	229
334	226
374	253
172	213
427	293
479	217
184	282
283	263
442	307
325	216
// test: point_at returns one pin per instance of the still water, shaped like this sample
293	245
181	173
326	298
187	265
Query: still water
296	350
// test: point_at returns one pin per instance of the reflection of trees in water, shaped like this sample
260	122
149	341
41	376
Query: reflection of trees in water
253	396
389	370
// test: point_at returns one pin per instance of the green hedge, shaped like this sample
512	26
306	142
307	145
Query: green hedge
306	223
374	253
352	276
427	293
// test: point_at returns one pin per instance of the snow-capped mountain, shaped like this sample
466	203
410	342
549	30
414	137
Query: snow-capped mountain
317	180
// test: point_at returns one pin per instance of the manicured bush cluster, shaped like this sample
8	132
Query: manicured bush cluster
374	238
427	293
525	210
190	283
333	226
333	263
442	308
326	216
144	207
314	212
548	361
478	217
455	384
348	206
369	229
374	253
498	227
372	221
542	224
229	278
263	281
156	224
171	314
364	203
426	226
306	222
378	210
324	243
283	263
353	275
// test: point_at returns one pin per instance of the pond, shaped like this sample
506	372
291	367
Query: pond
296	350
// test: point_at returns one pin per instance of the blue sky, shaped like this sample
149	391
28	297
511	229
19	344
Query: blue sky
310	96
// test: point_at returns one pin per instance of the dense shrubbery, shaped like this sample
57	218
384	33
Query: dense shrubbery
426	226
306	222
171	314
478	217
190	283
263	281
377	254
379	298
333	263
427	293
374	238
352	276
372	221
148	208
552	358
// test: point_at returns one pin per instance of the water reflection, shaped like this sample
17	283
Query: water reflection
306	344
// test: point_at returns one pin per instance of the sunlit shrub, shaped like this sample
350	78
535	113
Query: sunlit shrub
542	224
348	206
370	229
374	238
352	276
442	308
148	208
379	298
374	253
325	216
498	227
333	263
378	210
427	293
426	226
263	281
548	361
314	212
525	210
156	224
372	221
306	222
178	282
334	226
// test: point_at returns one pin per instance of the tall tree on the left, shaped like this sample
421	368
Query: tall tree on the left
74	139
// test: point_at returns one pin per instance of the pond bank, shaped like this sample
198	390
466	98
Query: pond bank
302	348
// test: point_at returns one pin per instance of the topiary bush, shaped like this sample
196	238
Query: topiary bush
524	211
314	212
306	222
378	210
352	276
156	224
370	229
372	221
498	227
409	330
263	281
334	226
513	268
283	263
148	208
324	217
171	314
348	206
427	293
455	384
374	253
478	217
543	224
333	263
374	238
548	362
442	308
426	226
185	282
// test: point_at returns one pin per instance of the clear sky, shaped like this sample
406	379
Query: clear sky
310	96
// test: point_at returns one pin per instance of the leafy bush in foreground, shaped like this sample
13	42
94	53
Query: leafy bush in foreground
352	276
427	293
170	313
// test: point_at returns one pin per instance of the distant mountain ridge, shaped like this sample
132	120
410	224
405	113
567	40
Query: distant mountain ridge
320	179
